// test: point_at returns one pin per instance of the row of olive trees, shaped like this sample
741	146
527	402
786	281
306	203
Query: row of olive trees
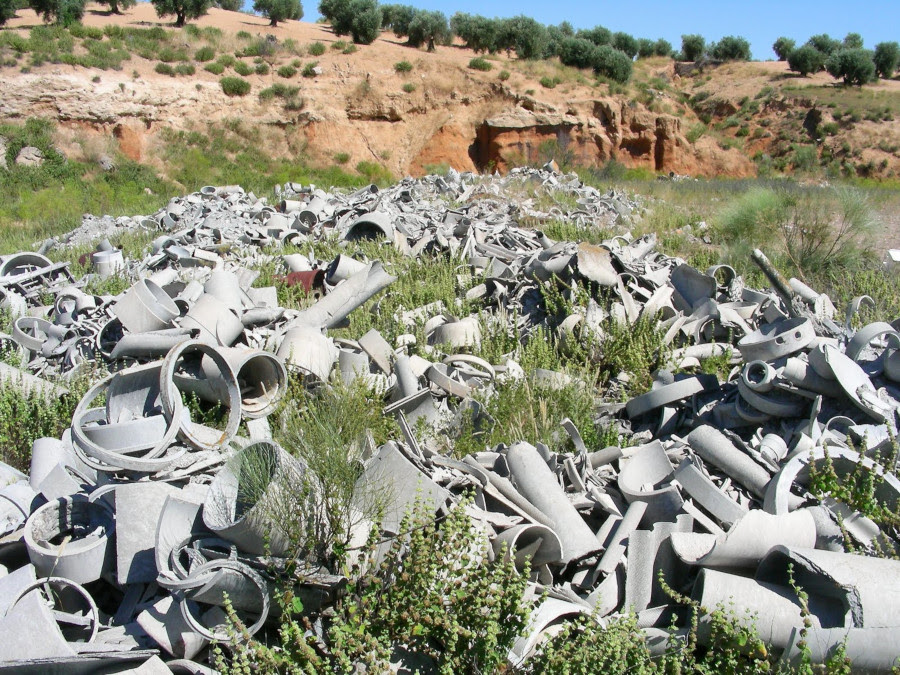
68	12
608	53
846	60
729	48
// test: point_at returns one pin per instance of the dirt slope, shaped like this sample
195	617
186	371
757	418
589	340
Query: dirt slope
441	112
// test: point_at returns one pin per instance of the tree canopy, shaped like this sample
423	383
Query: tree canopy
183	10
279	10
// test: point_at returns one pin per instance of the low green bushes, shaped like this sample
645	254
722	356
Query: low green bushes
235	86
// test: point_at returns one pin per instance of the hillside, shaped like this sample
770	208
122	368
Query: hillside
359	108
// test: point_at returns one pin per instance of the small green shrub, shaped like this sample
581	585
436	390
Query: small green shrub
316	49
185	69
409	87
243	68
226	60
480	63
286	71
374	173
338	45
279	90
350	49
164	69
309	70
244	35
504	75
261	69
403	66
214	68
342	157
235	86
550	82
204	54
170	55
25	417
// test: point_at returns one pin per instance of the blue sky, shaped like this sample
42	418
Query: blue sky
760	21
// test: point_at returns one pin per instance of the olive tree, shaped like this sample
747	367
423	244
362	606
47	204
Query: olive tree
625	43
397	18
824	43
782	47
805	60
279	10
692	47
62	12
853	41
886	58
7	10
853	66
612	63
479	33
183	10
361	19
599	35
428	27
731	48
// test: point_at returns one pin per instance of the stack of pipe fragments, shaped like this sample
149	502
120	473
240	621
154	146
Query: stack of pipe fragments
122	542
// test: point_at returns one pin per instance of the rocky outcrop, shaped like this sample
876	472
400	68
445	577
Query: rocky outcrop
485	126
593	133
30	156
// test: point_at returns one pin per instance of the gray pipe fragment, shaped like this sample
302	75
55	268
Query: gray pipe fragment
715	447
29	384
747	541
539	486
88	530
647	476
861	591
773	610
872	651
702	489
250	501
330	311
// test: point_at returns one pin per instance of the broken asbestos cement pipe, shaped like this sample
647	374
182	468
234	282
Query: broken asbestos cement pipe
85	553
145	307
535	543
195	434
862	590
872	651
773	610
264	476
715	447
330	311
747	541
537	483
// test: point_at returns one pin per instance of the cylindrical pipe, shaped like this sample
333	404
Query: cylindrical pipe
538	485
715	447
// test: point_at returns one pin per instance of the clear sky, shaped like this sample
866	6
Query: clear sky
760	21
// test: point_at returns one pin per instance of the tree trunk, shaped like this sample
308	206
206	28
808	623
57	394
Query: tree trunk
273	23
180	19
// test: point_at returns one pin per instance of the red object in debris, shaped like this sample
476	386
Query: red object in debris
314	279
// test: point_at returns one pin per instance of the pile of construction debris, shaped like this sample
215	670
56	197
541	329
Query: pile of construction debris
124	539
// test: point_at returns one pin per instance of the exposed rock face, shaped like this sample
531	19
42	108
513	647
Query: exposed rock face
29	156
594	133
3	153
